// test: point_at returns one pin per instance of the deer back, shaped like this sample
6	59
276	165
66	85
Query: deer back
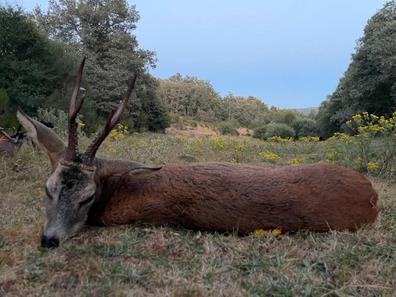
242	198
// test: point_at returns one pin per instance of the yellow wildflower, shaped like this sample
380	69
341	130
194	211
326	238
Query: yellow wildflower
269	156
218	144
331	156
293	161
261	232
372	166
275	232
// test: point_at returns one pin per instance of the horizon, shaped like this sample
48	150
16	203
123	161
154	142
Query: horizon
289	55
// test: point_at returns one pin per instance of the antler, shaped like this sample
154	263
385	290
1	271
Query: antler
72	147
112	120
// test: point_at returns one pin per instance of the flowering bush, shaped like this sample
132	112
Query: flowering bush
269	156
119	132
371	148
293	161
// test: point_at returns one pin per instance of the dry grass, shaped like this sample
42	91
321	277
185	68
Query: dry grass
152	261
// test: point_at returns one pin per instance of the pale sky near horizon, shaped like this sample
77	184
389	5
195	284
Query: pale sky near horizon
289	53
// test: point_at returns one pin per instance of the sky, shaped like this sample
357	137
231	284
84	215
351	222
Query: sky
290	53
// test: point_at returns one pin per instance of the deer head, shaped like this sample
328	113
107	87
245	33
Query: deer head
76	178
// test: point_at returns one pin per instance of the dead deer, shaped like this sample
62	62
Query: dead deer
204	196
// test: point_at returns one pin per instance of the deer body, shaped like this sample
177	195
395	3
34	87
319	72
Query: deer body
240	198
206	196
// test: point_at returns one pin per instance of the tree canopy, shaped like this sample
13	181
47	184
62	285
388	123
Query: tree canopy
102	30
369	84
191	97
32	67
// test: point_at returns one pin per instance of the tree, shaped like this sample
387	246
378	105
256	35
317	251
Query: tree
32	67
248	111
102	31
369	84
7	118
191	97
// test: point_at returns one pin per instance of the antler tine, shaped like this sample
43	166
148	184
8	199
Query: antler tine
73	111
112	120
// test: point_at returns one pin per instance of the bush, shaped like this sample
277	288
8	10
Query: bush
59	120
274	129
304	127
259	132
227	128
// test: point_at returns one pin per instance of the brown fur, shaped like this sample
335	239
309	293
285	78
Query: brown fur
240	198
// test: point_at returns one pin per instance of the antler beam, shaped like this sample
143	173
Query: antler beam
72	147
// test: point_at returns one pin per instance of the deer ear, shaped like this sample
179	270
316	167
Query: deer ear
146	169
121	168
43	136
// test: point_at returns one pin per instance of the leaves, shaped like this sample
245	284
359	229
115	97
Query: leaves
369	84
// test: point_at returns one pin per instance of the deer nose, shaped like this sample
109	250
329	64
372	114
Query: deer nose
49	242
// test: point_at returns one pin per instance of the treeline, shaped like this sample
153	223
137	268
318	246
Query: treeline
40	52
196	99
39	59
39	55
369	83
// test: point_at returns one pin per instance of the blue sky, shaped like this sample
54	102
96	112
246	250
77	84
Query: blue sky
289	53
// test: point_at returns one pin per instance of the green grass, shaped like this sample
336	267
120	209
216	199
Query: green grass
153	261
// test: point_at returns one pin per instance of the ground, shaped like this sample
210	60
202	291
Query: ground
161	261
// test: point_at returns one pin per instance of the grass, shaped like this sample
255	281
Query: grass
159	261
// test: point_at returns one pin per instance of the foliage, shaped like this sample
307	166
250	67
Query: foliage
371	149
248	111
32	67
102	31
369	83
119	132
279	129
304	126
146	111
4	100
190	97
7	117
269	156
285	116
59	120
227	128
260	132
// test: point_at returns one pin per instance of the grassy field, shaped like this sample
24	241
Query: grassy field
152	261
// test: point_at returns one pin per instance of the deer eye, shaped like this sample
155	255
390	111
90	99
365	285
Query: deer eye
82	203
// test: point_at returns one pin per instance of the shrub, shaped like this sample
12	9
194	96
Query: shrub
279	129
274	129
304	127
259	132
227	128
58	119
